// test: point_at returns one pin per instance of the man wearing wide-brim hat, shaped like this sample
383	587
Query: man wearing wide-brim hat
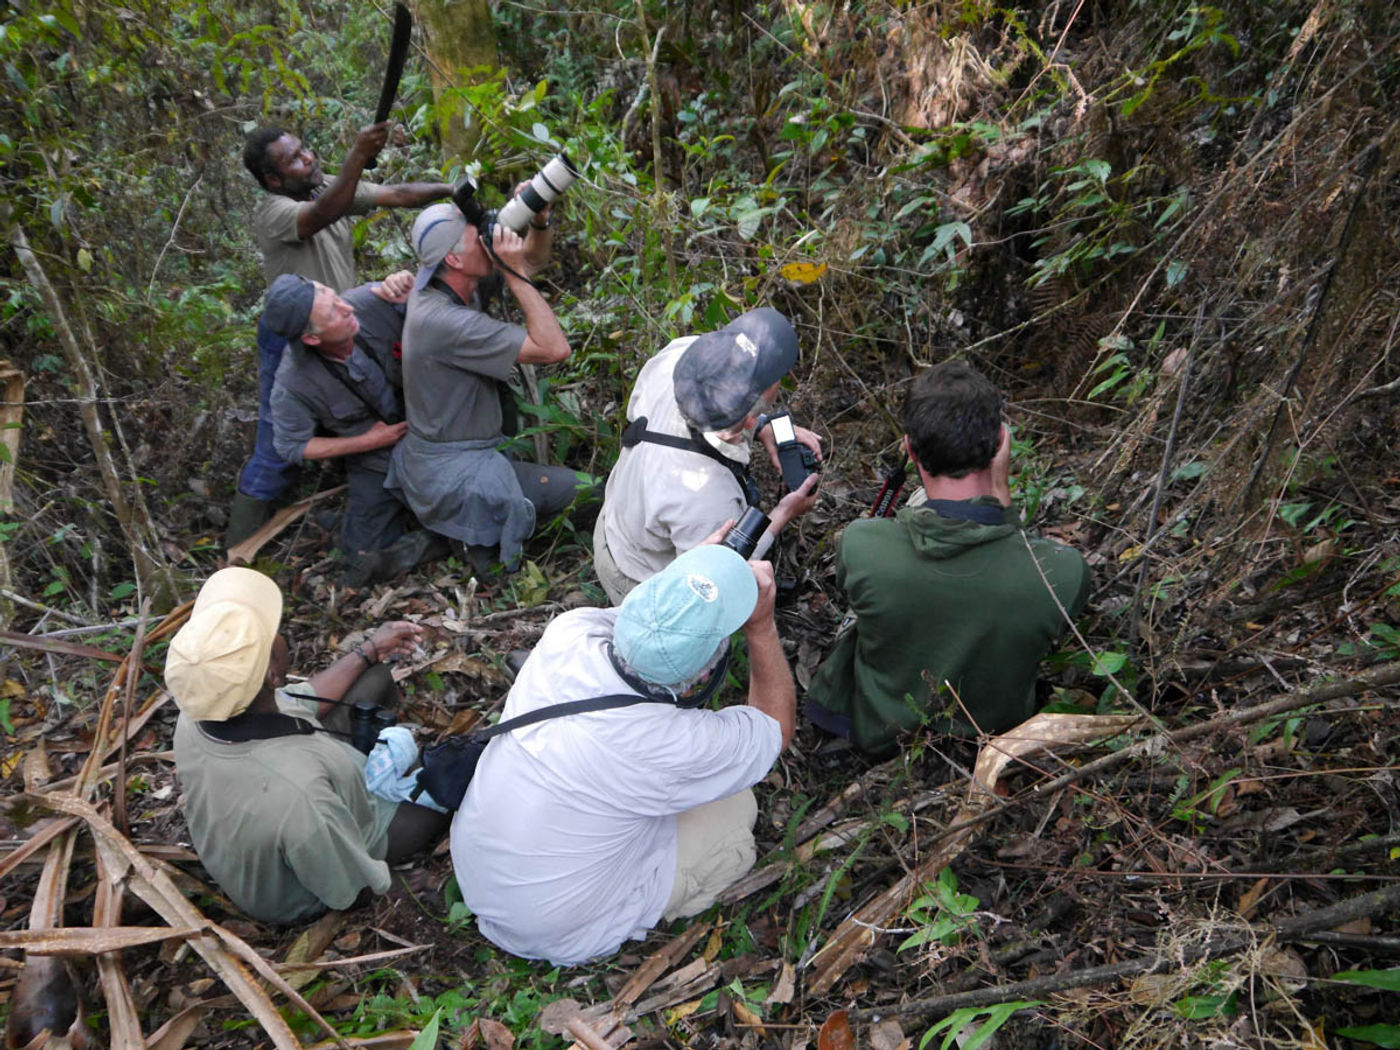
708	391
276	803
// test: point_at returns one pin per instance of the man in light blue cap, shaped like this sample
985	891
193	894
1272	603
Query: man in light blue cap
581	831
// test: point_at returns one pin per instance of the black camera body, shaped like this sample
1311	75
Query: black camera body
518	212
797	460
747	531
366	722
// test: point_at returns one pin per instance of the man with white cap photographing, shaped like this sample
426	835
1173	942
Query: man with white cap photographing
276	805
581	831
456	360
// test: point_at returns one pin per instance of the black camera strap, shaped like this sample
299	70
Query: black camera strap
257	725
569	707
268	725
636	432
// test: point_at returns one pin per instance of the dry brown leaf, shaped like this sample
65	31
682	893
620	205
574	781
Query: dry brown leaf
309	945
175	1033
1040	732
123	1018
555	1016
1249	899
124	861
784	986
836	1034
36	767
82	940
887	1035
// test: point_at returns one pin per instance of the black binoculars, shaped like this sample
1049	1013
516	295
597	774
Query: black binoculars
366	722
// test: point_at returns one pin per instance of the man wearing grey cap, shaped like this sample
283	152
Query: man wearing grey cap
706	392
581	831
338	395
302	226
448	469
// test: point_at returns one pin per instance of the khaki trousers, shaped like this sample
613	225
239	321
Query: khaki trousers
714	848
616	582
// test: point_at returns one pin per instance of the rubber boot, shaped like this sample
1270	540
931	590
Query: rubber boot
407	552
245	516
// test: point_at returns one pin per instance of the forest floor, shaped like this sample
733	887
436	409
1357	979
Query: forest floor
1175	877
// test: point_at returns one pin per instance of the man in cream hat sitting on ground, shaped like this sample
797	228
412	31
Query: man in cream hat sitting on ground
276	805
583	830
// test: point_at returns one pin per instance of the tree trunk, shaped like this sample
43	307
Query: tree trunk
155	575
460	39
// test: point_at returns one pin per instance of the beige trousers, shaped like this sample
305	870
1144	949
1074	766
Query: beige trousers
714	848
616	582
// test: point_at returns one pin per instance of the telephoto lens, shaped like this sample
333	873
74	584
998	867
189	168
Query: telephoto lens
744	536
553	179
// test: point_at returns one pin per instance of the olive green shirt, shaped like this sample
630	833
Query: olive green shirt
949	620
326	256
285	826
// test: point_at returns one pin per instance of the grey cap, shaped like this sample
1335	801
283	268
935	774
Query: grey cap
722	373
436	232
287	306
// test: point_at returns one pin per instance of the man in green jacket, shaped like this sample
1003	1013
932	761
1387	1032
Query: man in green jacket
952	607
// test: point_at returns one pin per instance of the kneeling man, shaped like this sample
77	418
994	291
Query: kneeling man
276	805
949	604
581	831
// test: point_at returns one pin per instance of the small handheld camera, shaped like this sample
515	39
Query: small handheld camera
366	722
547	185
744	536
798	461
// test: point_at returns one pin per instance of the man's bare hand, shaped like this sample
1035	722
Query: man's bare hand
803	436
369	141
509	248
810	439
718	535
796	504
395	287
396	638
762	615
385	434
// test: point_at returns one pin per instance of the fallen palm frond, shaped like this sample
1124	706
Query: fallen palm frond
858	933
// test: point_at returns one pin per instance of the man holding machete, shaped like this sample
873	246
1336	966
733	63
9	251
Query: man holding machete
302	227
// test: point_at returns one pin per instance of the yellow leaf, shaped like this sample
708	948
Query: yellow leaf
84	260
803	273
712	946
11	690
1130	553
683	1011
746	1016
1313	1037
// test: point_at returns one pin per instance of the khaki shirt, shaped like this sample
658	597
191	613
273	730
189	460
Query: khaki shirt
327	256
285	826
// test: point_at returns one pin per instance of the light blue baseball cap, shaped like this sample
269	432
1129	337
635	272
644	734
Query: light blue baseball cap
670	625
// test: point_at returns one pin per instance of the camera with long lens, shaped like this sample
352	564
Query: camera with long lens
367	720
797	460
744	536
518	212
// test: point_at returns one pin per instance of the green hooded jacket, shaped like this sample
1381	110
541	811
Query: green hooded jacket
958	601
